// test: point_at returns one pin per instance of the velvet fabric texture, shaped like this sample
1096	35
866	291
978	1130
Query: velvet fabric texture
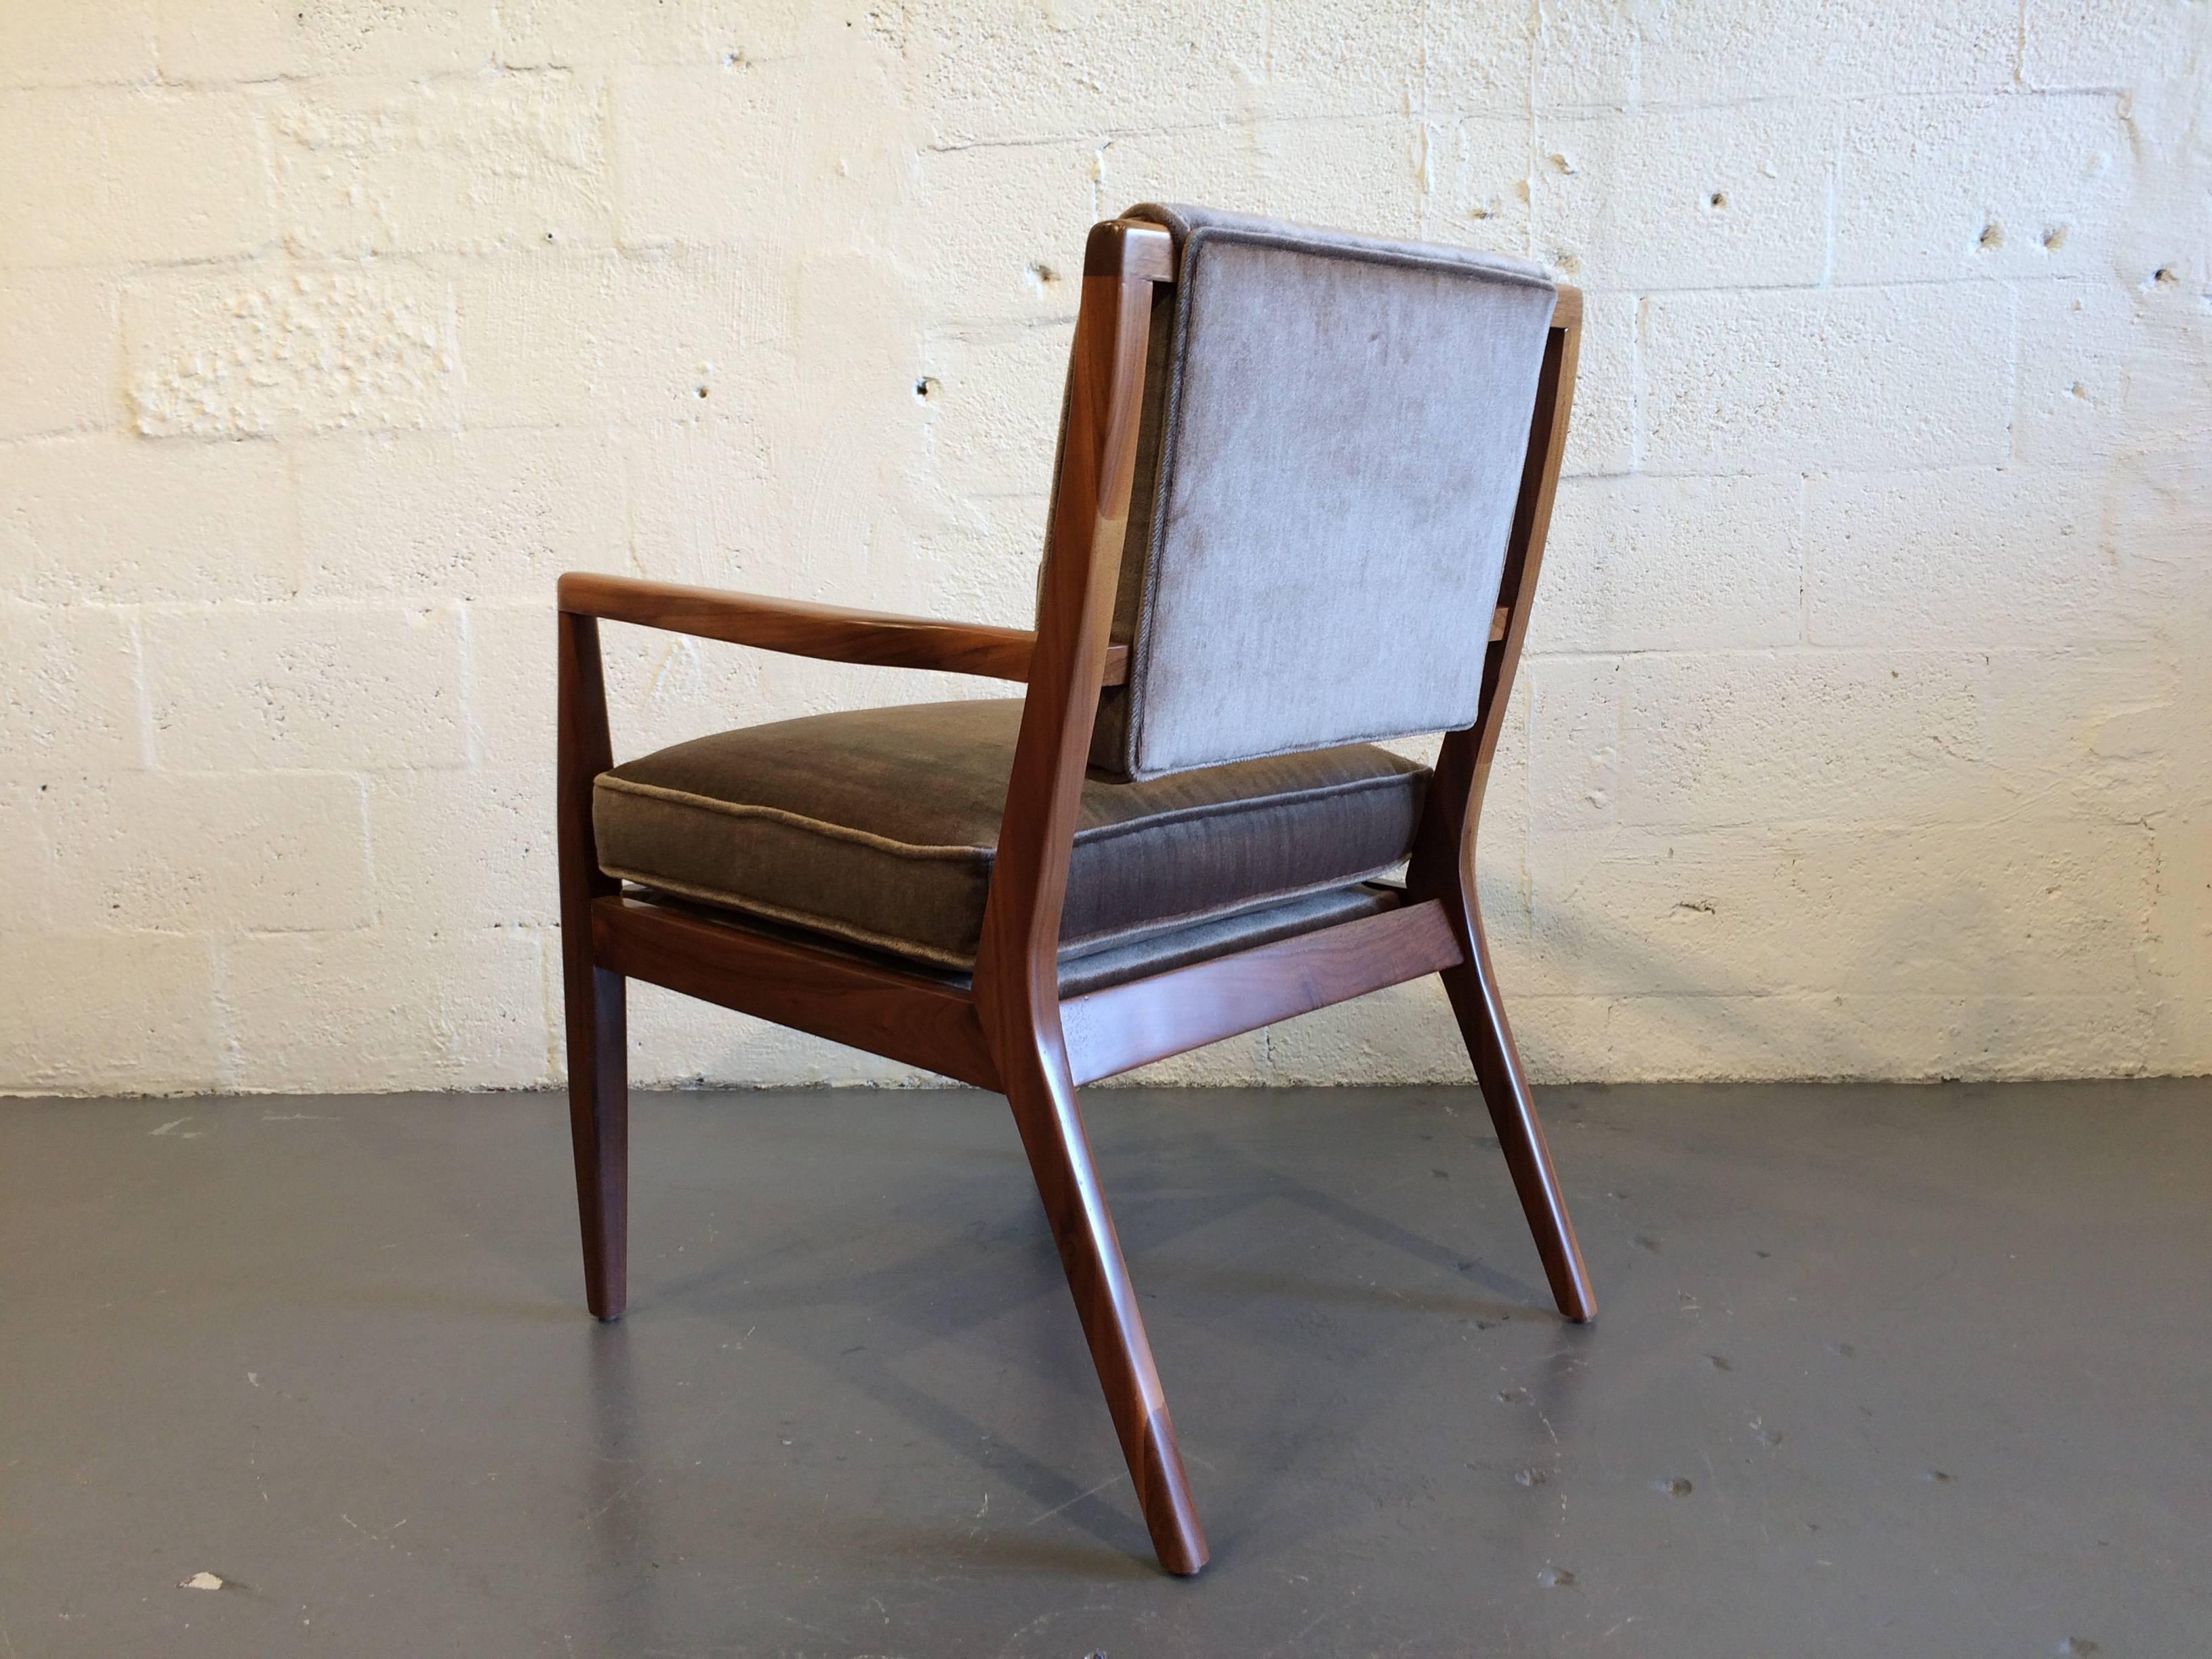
879	826
1328	459
1099	964
1098	968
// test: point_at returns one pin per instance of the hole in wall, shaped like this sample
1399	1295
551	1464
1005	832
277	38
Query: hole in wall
2165	276
1992	237
927	390
2054	238
1718	200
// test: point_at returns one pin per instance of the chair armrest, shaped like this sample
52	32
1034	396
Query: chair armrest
800	629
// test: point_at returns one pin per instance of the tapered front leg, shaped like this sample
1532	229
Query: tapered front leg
1042	1094
1473	987
599	1126
592	996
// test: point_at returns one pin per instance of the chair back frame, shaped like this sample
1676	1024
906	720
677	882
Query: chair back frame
1008	1028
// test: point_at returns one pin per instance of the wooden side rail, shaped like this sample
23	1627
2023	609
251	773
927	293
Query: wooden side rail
797	628
1127	1025
903	1017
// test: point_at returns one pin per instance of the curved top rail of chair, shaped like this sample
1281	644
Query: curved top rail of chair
1137	250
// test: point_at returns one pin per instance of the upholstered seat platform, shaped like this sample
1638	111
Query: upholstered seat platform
879	827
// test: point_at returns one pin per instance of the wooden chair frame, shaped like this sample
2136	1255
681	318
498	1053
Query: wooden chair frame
1010	1030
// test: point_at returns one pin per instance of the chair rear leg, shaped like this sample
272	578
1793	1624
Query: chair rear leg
1042	1094
599	1125
1473	987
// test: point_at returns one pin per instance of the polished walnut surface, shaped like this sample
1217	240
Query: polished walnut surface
1007	1027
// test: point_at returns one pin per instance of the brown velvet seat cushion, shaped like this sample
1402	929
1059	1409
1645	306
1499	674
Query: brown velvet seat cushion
879	826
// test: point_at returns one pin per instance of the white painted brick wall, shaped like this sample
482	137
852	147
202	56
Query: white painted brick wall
2002	186
77	46
211	42
484	514
103	176
366	168
265	851
74	698
1862	732
1688	198
107	517
248	687
61	367
1793	379
281	349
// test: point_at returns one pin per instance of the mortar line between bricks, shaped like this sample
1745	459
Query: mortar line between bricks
433	261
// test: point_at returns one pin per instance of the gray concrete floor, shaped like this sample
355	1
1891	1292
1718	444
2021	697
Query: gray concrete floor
1910	1371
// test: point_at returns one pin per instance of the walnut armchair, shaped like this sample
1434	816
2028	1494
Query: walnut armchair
1300	504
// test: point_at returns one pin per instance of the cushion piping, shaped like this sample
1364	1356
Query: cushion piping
986	855
739	809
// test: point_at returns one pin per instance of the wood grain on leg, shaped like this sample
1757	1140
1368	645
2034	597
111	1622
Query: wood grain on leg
1442	864
593	998
598	1129
1043	1096
1473	989
1016	983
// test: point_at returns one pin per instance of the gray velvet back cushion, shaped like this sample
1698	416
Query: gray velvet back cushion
1331	446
